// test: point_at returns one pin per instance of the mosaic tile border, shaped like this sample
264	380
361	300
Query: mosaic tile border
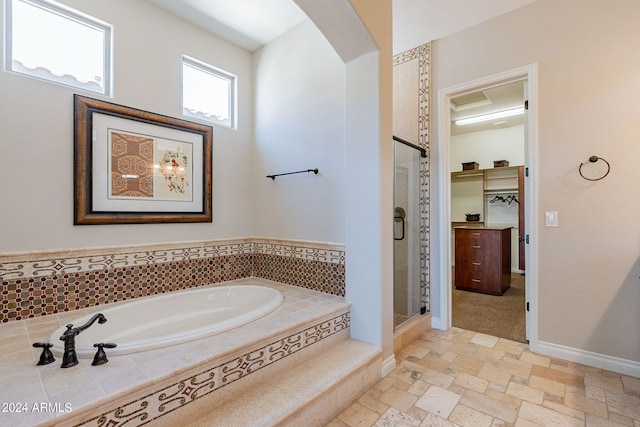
65	262
422	54
168	399
57	282
40	296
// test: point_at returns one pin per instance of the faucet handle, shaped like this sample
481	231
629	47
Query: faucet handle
46	357
101	357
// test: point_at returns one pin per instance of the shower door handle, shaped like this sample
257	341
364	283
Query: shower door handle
399	219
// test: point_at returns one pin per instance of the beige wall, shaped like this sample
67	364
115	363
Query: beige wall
406	79
588	85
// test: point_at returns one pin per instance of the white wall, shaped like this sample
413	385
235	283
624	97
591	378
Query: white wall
588	285
36	124
299	125
360	32
486	146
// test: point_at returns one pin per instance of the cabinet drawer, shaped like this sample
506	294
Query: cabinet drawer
482	260
476	266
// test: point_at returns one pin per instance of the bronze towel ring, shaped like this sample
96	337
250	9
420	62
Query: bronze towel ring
594	159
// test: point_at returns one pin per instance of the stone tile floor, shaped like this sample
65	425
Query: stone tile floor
463	378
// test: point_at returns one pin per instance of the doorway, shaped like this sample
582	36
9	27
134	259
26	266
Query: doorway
486	148
471	93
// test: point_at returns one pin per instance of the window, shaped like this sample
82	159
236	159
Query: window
50	41
208	93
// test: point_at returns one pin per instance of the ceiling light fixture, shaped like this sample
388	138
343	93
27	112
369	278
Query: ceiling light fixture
490	116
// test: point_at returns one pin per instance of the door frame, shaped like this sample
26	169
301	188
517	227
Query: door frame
443	263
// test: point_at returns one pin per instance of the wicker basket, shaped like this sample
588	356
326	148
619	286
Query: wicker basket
473	217
468	166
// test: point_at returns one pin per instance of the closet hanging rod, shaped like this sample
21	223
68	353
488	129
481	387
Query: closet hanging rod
273	177
423	152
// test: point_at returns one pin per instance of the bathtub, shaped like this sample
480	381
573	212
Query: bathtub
168	319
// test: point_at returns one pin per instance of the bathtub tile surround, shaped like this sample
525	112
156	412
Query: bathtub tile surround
188	389
144	386
42	283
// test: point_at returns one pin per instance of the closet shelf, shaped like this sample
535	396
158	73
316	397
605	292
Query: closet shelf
501	190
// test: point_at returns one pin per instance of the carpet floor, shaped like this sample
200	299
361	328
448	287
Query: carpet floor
501	316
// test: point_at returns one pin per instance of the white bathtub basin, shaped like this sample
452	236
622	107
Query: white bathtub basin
168	319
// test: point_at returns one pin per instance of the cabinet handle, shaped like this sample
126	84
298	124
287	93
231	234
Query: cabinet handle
476	234
476	246
475	263
475	280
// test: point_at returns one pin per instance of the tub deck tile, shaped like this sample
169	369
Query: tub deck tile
84	386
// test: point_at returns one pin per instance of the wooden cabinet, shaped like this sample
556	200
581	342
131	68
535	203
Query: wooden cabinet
498	195
483	259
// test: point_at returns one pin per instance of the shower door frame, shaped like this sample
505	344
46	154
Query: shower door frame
421	218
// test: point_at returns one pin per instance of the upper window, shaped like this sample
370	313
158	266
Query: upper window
208	93
53	42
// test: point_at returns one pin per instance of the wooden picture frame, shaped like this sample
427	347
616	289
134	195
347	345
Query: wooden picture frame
135	167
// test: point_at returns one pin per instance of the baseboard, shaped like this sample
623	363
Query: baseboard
438	323
603	361
388	365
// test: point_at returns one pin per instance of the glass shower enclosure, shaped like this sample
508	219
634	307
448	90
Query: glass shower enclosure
406	231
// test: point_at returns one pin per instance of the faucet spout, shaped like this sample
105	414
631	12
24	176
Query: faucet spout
99	317
70	358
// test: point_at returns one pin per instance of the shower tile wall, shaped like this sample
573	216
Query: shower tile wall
411	122
38	284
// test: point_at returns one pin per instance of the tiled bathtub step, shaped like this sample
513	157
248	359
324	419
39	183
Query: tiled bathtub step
309	394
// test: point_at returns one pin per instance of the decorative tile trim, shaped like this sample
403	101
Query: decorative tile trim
57	282
168	399
332	255
411	54
68	262
39	264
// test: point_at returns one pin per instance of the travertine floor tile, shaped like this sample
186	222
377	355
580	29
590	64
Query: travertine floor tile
547	386
465	416
460	378
398	399
394	418
438	401
557	375
357	415
524	392
624	404
584	404
547	417
484	340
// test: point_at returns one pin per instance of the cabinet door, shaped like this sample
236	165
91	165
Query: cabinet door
521	235
490	248
470	259
463	257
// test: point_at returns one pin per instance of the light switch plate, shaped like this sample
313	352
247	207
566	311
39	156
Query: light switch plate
551	219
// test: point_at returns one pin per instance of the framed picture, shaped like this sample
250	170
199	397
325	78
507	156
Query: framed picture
133	166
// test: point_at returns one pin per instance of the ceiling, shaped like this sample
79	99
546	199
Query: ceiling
500	98
251	24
